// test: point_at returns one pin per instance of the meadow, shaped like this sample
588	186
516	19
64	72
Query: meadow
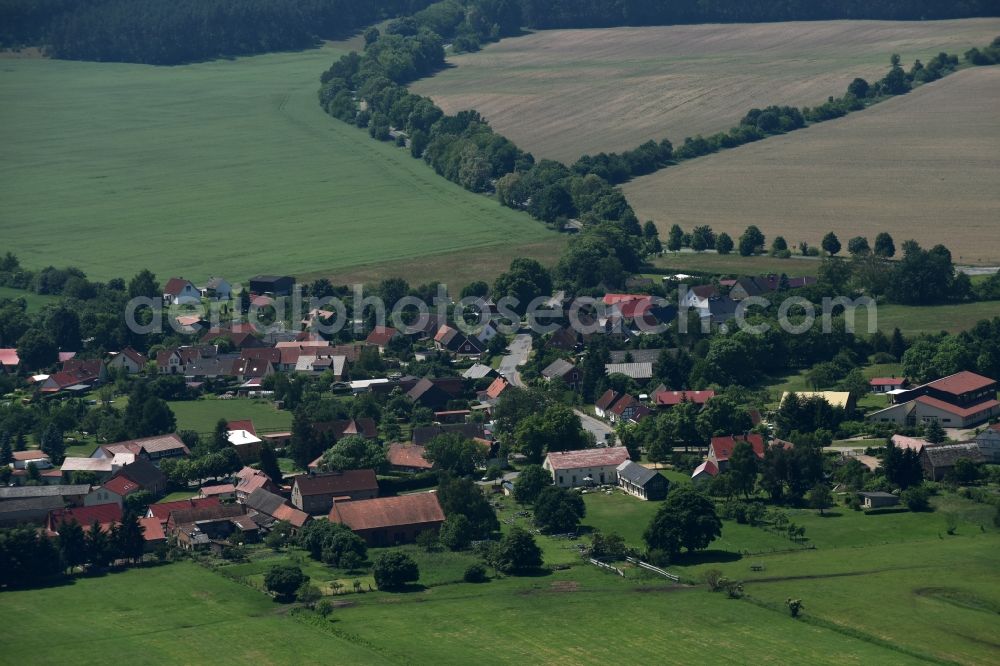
220	168
563	93
35	302
923	166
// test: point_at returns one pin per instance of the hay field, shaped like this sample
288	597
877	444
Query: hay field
924	166
563	93
227	168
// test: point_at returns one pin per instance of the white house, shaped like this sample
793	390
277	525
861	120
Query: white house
179	291
217	289
129	360
570	469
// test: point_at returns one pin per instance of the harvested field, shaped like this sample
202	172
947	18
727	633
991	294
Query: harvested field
563	93
924	166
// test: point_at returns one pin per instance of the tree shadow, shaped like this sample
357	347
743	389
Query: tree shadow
831	514
539	572
408	588
707	557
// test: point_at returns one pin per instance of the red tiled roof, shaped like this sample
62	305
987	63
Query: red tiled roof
723	446
154	444
31	454
614	299
886	381
708	467
902	442
625	402
958	411
220	489
496	388
337	483
671	398
381	336
9	357
614	456
245	424
415	509
104	514
175	286
408	455
152	529
705	291
163	510
961	382
121	486
290	514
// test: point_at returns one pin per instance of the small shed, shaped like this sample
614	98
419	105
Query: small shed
878	500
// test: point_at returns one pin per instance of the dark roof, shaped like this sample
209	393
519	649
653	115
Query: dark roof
337	483
945	456
558	368
271	278
175	286
184	516
264	501
144	473
39	503
23	492
608	399
163	510
423	434
639	355
366	427
408	455
415	509
636	473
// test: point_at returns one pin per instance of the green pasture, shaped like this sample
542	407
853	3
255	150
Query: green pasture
201	415
35	301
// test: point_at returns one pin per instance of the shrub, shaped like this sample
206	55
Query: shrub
794	606
428	540
916	498
283	580
476	573
714	579
392	570
324	607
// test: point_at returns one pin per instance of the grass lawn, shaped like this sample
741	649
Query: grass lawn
178	495
201	415
173	614
116	167
914	319
35	301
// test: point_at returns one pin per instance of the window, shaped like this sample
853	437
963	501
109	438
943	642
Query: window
560	479
574	479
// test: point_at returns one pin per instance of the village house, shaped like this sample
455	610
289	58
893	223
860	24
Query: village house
570	469
217	289
128	361
937	461
102	468
478	371
624	409
9	360
249	479
639	371
451	340
422	435
68	494
605	402
77	375
664	399
105	515
28	510
314	493
271	508
721	448
154	449
196	529
704	472
642	482
886	384
225	492
152	534
381	336
408	458
179	291
564	340
113	492
35	457
161	512
961	400
989	443
494	390
390	520
428	393
564	370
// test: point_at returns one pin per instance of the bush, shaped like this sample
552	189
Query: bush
476	573
428	540
714	579
393	570
284	580
324	607
456	532
916	498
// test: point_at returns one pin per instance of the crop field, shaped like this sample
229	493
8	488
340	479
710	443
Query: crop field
563	93
924	166
221	168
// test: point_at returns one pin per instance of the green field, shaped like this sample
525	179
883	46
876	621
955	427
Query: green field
35	301
228	168
734	264
914	319
202	415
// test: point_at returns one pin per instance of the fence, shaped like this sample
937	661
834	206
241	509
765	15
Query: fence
656	570
609	567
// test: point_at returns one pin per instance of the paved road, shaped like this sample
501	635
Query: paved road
520	348
596	426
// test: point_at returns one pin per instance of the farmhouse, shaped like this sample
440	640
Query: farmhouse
886	384
381	336
153	449
274	285
76	375
429	394
198	528
314	493
161	512
128	361
217	289
71	494
179	291
706	471
105	515
408	458
223	491
937	461
423	434
642	482
564	370
666	399
28	510
273	508
390	520
9	360
962	400
989	443
451	340
606	402
494	390
624	409
570	469
35	457
877	500
113	492
721	448
249	479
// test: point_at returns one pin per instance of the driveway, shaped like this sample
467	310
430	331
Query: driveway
600	429
520	348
